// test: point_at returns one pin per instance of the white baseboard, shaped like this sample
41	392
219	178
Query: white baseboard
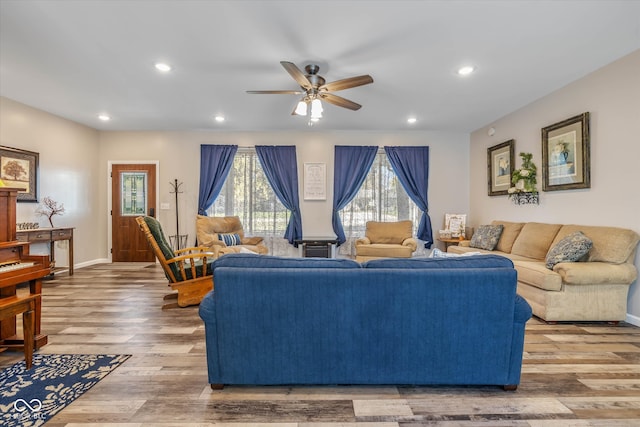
92	262
633	320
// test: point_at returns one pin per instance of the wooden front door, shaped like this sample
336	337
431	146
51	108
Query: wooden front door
133	193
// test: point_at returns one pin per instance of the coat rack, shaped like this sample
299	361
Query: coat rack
177	241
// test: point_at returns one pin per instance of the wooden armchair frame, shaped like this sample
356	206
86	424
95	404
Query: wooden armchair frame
186	269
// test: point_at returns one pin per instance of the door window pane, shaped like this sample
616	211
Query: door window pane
133	193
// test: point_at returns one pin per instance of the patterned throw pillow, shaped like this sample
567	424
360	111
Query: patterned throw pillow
570	249
230	239
486	237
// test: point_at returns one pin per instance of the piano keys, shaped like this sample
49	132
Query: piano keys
14	265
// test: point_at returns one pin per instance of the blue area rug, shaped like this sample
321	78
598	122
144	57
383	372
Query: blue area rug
31	398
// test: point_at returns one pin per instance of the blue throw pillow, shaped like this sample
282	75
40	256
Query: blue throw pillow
230	239
474	261
569	249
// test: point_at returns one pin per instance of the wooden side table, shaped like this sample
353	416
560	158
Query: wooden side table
450	242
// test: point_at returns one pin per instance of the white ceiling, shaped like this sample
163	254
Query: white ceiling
77	59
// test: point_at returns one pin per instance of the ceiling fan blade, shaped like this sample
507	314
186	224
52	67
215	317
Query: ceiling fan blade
297	75
275	92
339	101
347	83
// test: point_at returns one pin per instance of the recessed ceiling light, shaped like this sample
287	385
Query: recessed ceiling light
219	119
411	120
161	66
104	117
465	71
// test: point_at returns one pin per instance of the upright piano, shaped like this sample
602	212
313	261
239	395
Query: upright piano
17	266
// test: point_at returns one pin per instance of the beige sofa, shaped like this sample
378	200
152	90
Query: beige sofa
593	289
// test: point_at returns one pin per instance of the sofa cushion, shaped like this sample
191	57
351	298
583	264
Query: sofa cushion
386	250
536	274
569	249
535	240
389	232
486	237
266	261
610	244
473	261
510	232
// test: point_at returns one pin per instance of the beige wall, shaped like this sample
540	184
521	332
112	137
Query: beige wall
68	154
178	154
612	97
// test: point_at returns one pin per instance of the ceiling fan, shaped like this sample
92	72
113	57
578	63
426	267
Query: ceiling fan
314	88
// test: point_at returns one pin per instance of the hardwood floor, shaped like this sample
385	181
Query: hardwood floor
573	374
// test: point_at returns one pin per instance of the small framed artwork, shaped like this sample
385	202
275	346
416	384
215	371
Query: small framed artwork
315	181
500	159
456	223
566	160
19	169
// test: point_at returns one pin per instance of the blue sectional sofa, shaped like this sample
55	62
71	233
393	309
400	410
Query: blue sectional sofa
272	320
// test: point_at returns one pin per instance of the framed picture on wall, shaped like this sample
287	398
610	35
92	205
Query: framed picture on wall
315	181
500	159
19	169
566	160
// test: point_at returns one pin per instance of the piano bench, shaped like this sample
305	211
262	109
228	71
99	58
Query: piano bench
11	307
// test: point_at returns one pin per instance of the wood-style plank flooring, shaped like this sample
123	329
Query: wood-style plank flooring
573	374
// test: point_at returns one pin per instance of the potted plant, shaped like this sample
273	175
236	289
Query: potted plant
524	181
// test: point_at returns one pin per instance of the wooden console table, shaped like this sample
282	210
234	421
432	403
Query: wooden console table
51	236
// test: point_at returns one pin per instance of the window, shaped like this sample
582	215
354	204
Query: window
381	198
247	194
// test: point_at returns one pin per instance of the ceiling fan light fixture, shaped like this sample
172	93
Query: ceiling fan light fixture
301	109
316	109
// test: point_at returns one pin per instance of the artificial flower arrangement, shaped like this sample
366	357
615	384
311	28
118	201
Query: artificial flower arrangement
524	179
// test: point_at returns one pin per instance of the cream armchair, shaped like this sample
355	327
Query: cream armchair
209	231
386	240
